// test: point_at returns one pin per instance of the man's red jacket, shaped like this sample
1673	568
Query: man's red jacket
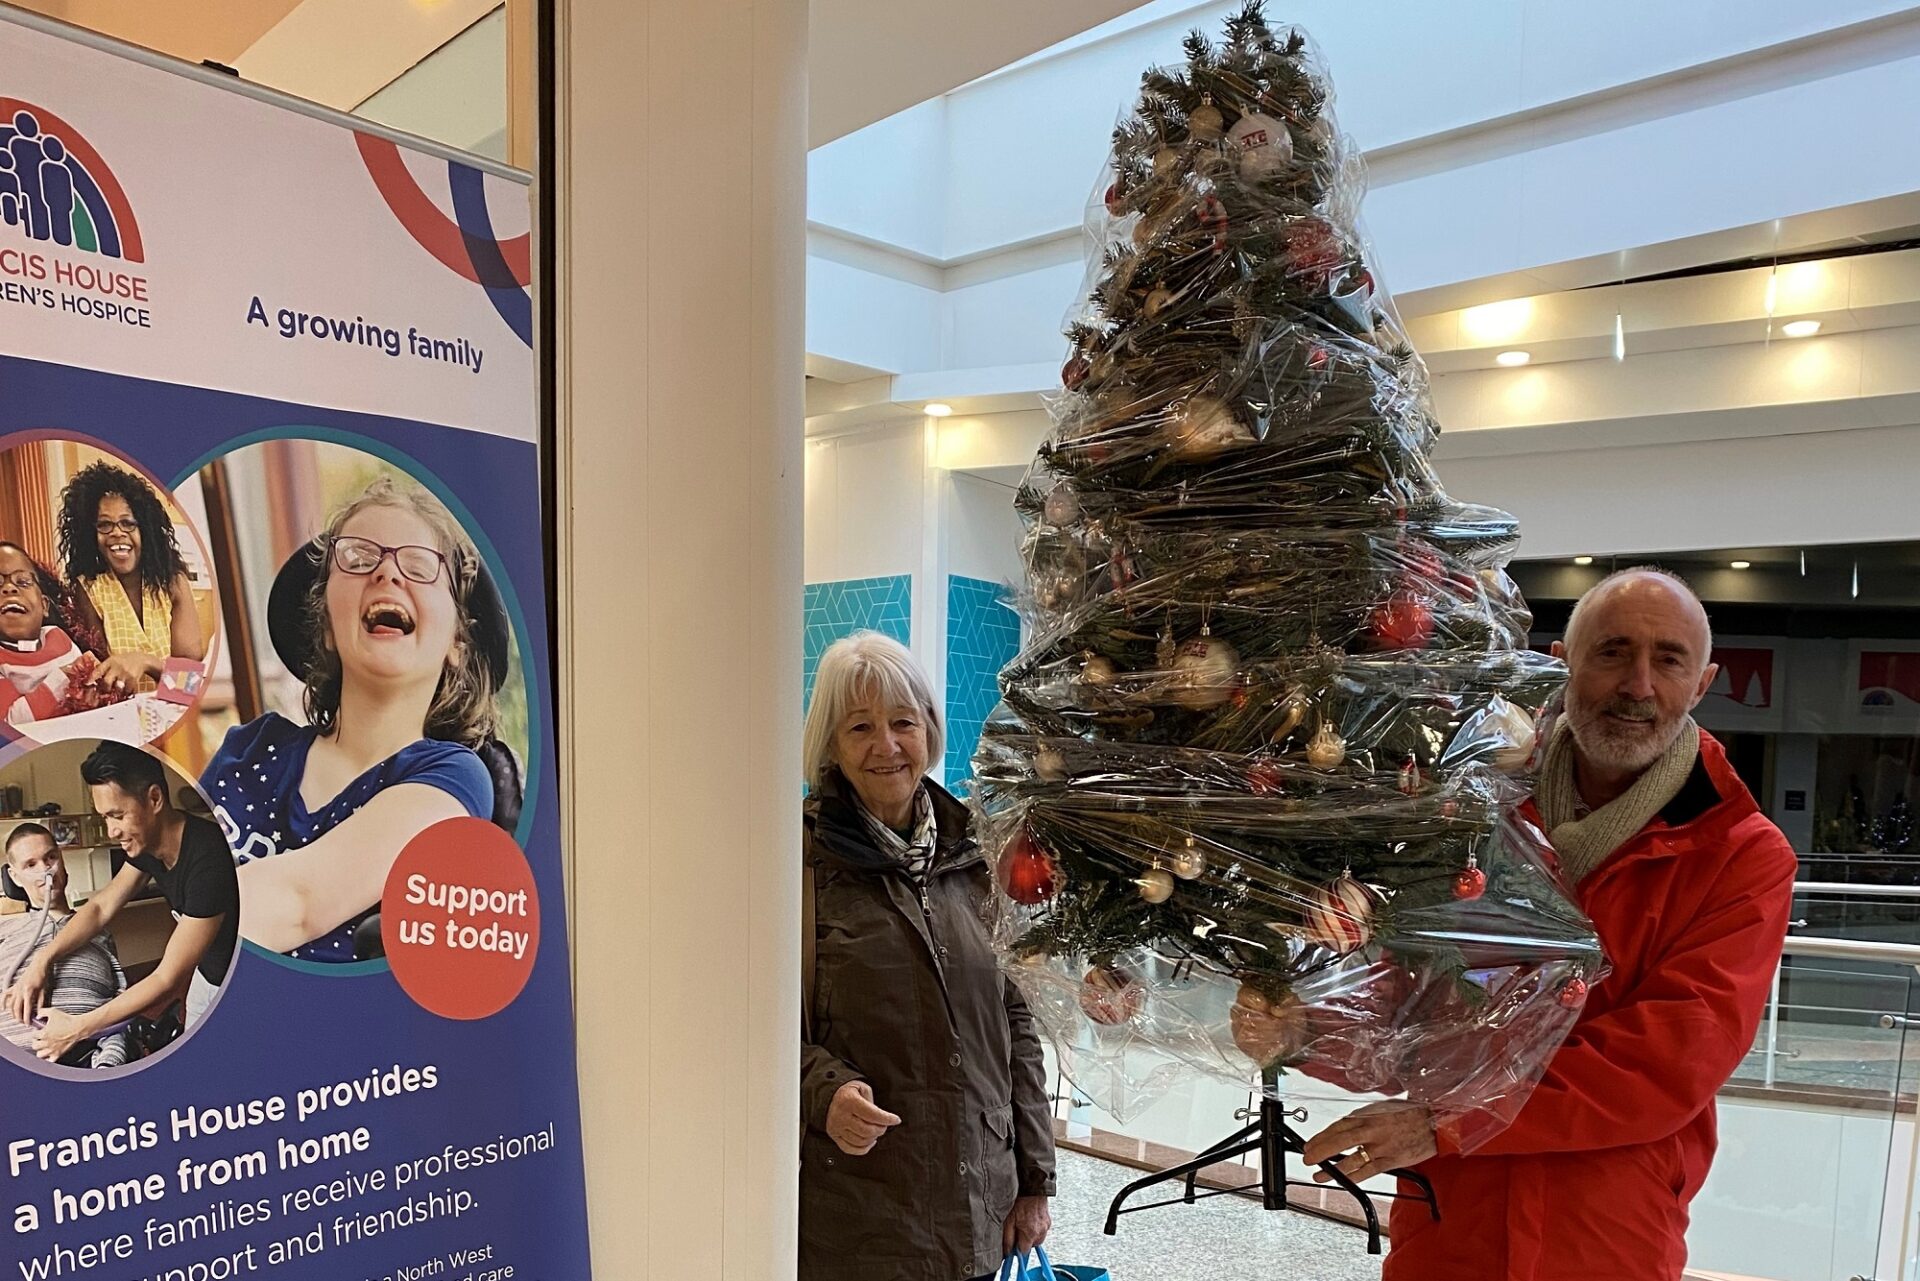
1593	1178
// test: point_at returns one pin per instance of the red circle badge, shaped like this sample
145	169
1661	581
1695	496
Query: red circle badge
461	919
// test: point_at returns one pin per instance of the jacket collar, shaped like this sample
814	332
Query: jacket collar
839	834
1696	796
1713	797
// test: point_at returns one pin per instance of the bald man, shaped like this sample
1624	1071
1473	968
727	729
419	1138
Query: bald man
1689	886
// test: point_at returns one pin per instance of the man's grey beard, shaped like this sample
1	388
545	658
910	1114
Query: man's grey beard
1601	742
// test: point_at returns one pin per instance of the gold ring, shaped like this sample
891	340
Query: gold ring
1361	1152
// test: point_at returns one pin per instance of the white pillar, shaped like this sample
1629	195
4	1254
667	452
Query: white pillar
681	223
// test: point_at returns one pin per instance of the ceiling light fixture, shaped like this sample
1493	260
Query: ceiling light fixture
1742	564
1619	336
1800	328
936	409
1496	322
1803	563
1856	580
1512	359
1583	560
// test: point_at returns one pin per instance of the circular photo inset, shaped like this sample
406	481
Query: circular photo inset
119	907
372	687
108	610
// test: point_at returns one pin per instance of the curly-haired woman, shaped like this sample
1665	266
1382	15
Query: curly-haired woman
131	585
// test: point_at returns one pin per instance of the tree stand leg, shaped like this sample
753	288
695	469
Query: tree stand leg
1272	1135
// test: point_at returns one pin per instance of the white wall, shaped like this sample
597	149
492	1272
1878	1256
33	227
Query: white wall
1828	487
983	533
875	507
903	199
865	510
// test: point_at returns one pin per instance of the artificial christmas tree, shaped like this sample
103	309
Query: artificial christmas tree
1254	781
1894	833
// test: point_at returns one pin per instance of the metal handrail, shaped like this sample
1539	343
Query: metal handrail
1851	889
1831	949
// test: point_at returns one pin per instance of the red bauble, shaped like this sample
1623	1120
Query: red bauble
1574	994
1116	201
1403	623
1318	357
1424	563
1110	996
1410	778
1027	872
1469	884
1313	250
1267	778
1075	371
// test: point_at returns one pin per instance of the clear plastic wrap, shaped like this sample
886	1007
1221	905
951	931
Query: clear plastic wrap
1253	792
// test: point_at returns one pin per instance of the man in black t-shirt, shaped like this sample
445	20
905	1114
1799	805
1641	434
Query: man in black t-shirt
186	858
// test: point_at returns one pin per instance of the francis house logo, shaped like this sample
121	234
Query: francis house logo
67	232
56	188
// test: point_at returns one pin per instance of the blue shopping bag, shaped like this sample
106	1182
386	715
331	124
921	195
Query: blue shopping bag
1016	1268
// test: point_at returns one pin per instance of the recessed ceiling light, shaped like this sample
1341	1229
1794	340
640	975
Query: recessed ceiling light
1800	328
1742	564
938	410
1583	560
1513	359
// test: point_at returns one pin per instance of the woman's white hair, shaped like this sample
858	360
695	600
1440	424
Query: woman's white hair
855	668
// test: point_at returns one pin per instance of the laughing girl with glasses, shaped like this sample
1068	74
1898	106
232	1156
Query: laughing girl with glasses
399	694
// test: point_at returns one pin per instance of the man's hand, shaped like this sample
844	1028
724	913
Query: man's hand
23	998
59	1035
854	1121
1027	1225
1377	1138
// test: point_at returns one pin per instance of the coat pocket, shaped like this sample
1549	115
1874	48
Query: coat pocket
1000	1179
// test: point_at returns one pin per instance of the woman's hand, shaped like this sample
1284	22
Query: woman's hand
1027	1225
124	672
854	1121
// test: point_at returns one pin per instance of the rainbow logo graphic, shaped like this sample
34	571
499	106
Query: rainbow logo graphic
465	243
56	188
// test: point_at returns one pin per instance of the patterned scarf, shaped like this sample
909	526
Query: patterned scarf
1584	840
913	851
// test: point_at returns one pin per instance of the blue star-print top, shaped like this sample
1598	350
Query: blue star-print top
254	783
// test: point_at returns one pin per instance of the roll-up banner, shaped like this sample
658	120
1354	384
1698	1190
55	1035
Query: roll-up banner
282	938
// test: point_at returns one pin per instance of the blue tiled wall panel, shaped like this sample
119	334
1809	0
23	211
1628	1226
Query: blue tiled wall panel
983	635
837	609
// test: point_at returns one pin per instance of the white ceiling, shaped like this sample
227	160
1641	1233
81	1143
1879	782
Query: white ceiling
870	58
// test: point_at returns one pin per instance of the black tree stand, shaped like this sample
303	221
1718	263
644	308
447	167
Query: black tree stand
1269	1133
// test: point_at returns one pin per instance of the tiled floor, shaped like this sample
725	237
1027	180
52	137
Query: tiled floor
1223	1239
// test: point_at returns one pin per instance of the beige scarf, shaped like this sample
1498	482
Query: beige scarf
1583	842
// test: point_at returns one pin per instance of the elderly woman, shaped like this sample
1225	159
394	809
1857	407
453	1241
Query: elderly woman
928	1152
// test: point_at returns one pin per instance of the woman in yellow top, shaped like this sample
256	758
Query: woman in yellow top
117	542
